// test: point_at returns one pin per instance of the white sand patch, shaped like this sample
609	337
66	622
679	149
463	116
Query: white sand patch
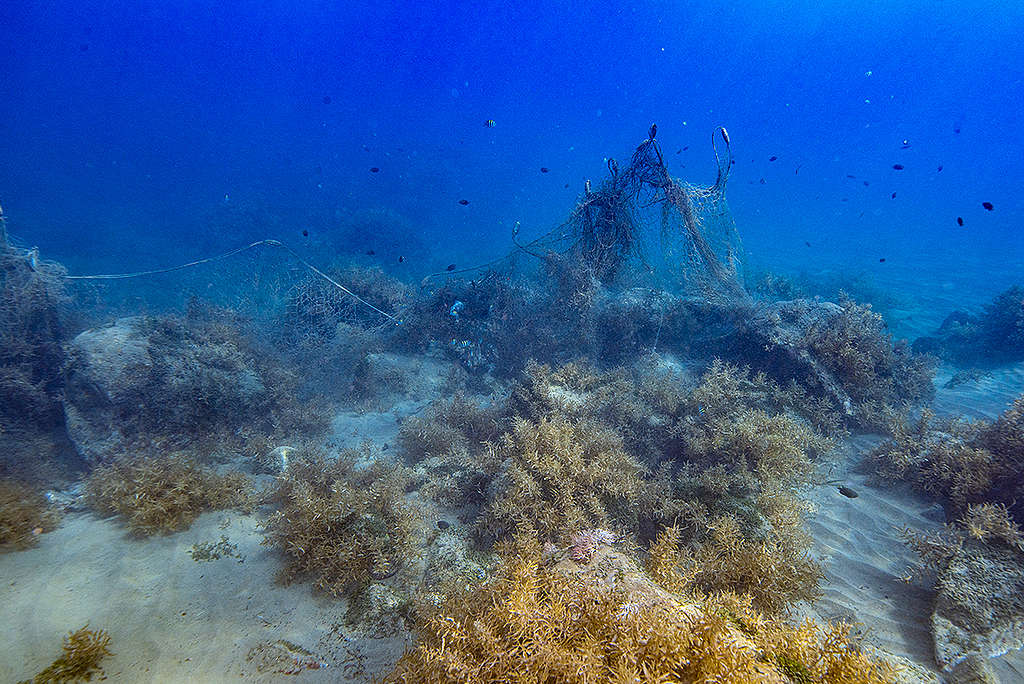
171	618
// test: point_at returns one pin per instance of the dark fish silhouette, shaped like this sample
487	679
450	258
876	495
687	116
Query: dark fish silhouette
866	184
807	243
892	196
401	259
370	252
566	185
451	267
850	175
374	169
763	181
327	99
988	206
959	220
847	492
544	169
305	233
940	167
463	202
882	260
772	158
686	147
898	167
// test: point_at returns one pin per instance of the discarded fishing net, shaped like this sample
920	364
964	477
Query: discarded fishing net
643	223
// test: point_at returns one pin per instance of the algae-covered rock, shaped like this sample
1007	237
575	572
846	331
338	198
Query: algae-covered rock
979	610
145	376
974	669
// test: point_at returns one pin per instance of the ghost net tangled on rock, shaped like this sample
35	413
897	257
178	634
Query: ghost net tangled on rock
642	221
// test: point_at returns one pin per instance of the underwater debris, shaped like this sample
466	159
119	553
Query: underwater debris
611	224
83	652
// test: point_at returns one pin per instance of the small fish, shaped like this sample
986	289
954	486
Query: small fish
490	123
807	243
866	184
850	175
988	206
679	151
763	181
772	158
956	130
370	252
847	492
797	170
898	167
451	267
882	260
892	196
566	185
959	220
905	145
653	131
401	259
939	169
544	169
463	202
327	99
374	169
686	147
305	233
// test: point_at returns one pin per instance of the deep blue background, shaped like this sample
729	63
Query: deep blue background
125	125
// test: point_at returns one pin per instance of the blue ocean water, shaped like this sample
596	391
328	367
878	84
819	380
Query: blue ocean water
878	146
126	125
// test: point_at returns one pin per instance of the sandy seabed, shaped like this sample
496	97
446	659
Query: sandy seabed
175	619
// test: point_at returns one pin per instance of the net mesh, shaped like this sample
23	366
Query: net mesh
641	222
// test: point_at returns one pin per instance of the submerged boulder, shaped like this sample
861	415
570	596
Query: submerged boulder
841	352
979	610
143	378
